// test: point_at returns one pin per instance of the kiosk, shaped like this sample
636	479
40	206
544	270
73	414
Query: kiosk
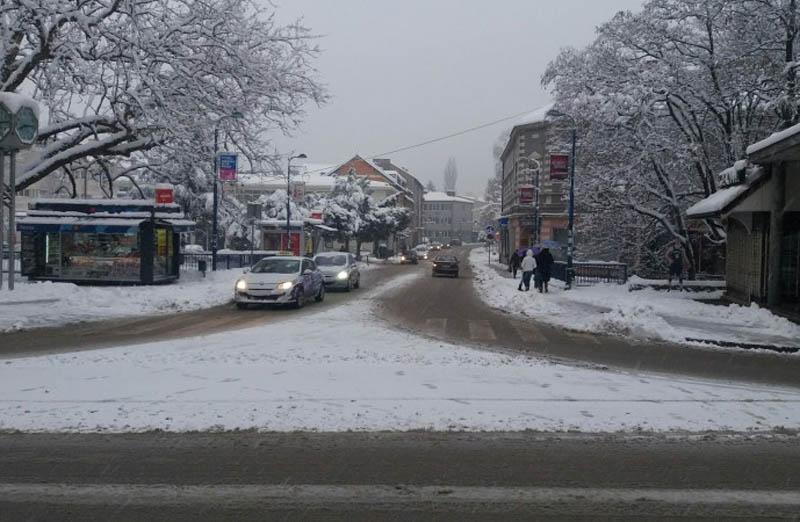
103	241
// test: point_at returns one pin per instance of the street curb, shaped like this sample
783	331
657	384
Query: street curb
746	346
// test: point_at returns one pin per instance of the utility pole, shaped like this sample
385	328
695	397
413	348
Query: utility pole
215	206
571	210
289	199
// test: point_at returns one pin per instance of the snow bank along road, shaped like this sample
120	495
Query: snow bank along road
171	324
451	310
396	476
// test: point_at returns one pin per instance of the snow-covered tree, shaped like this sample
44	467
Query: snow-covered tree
430	186
666	98
347	206
142	84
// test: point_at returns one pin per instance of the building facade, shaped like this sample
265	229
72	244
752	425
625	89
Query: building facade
759	205
417	194
534	199
447	216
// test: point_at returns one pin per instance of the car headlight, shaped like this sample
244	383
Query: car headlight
285	286
342	275
402	258
241	285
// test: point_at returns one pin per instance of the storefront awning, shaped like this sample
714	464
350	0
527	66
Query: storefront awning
181	225
326	228
75	224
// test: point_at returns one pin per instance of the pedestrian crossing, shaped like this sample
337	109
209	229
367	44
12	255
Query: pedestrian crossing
483	330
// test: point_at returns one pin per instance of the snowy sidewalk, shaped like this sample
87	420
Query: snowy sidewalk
343	369
644	314
40	304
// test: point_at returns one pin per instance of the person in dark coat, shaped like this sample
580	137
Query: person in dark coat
513	263
544	268
675	258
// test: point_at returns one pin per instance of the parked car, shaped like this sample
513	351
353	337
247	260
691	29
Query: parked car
409	257
193	249
339	270
456	242
445	264
280	280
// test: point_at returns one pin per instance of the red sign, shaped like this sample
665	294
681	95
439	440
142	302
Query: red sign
164	194
316	214
526	195
559	166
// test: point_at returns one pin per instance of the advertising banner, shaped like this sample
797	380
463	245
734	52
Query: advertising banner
227	164
559	166
164	194
298	190
526	195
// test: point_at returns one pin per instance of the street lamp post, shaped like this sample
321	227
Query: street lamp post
289	198
571	212
215	202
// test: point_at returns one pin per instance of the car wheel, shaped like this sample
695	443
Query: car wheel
348	286
357	284
321	294
242	306
300	301
455	275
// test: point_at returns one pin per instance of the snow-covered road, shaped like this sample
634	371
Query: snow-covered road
342	369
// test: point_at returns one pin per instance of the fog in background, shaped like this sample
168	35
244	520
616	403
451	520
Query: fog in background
402	72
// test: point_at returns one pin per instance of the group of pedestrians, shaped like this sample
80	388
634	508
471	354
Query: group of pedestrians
537	267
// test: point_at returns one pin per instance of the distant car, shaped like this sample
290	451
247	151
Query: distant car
445	264
339	270
456	242
435	247
409	257
422	252
193	249
280	280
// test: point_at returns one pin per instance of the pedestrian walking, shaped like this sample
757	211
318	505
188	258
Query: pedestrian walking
513	264
675	260
528	265
544	268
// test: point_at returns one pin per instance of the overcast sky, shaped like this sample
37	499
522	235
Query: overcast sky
404	71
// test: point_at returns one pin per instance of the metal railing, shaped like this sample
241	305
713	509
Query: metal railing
592	273
224	261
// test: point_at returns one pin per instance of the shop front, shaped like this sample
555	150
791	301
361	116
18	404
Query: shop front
304	237
102	241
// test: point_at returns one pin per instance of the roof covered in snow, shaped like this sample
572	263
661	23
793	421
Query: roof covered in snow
537	116
721	200
444	197
314	175
773	139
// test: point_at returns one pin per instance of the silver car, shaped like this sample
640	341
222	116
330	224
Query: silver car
339	270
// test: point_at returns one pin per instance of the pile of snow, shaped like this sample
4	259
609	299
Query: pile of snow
37	304
644	314
349	371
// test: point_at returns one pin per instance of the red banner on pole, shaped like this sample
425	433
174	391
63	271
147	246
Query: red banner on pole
559	166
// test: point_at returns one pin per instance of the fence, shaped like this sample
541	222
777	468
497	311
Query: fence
224	261
592	273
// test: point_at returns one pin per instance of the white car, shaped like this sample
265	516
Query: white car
339	270
280	280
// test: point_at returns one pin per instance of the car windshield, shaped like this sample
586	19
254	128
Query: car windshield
446	259
338	260
276	265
